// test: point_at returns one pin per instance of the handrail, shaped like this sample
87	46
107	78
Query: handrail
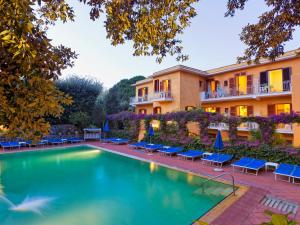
221	175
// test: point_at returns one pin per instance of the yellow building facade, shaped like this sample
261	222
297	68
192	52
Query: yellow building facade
267	88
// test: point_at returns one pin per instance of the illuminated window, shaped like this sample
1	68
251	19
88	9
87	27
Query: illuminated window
242	110
189	108
157	110
242	84
165	86
142	111
282	108
143	91
211	109
275	80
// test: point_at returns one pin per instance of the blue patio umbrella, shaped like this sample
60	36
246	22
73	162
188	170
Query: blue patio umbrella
219	145
150	132
106	127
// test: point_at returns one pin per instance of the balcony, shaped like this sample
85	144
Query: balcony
254	92
250	126
140	100
162	97
148	99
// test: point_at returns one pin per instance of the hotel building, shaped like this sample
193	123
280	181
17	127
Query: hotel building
267	88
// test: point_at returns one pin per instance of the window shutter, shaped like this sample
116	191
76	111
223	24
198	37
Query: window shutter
291	108
146	90
232	111
250	110
232	86
156	86
218	110
286	79
286	74
161	86
169	86
264	78
140	92
271	110
249	84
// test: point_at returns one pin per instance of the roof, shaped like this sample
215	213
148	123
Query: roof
237	66
288	55
180	68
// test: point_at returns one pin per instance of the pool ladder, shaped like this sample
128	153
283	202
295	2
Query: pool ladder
221	175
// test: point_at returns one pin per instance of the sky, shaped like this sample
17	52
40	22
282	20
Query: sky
211	41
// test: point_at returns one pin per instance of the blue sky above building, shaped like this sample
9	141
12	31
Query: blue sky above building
211	41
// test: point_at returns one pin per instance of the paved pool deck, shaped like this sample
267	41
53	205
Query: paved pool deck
247	210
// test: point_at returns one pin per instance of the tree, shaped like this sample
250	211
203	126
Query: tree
85	94
118	97
154	25
266	38
28	65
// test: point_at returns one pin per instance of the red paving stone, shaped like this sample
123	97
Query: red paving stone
247	210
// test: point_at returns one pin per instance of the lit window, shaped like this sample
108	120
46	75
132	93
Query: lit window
142	111
157	110
242	84
189	108
283	108
275	80
242	110
211	109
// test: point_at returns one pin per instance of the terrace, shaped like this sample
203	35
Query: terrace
251	92
164	96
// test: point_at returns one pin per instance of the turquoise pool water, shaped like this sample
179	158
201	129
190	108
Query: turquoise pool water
86	186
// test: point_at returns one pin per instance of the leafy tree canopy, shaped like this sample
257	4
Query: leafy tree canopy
28	65
118	97
154	25
86	94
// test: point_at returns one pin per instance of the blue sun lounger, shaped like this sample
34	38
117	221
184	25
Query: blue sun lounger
140	144
11	144
153	147
285	170
255	165
217	158
55	141
108	140
41	142
296	174
170	150
246	164
120	141
191	154
73	140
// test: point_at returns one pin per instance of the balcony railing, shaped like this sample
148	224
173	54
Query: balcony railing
159	96
162	96
250	126
253	90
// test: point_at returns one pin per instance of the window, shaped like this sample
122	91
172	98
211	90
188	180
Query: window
142	111
282	108
143	91
275	80
226	110
157	110
156	86
189	108
165	86
225	83
210	109
241	82
200	83
242	111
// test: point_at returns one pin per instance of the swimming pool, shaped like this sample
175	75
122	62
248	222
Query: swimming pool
85	185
